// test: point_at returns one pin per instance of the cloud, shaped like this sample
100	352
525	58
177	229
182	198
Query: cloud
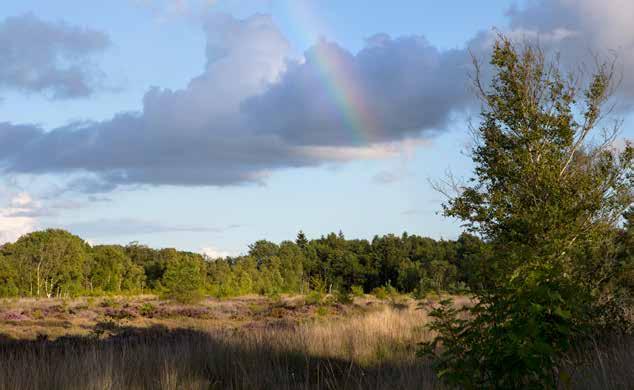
214	253
580	29
209	133
15	220
392	89
131	226
256	109
50	58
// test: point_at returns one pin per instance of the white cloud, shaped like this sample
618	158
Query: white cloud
15	220
214	253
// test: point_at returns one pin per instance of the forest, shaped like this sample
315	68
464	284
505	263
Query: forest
56	263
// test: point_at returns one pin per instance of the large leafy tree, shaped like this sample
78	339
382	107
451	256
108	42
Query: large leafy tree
184	277
548	200
49	263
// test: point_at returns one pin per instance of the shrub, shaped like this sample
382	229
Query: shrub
357	291
384	292
314	298
343	297
110	302
37	314
147	310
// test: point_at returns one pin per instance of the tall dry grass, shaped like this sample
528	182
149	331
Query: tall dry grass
365	351
372	349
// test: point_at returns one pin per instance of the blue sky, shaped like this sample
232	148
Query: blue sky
206	125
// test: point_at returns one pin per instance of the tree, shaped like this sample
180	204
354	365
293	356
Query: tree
625	254
151	260
50	263
544	198
111	270
183	279
8	278
301	240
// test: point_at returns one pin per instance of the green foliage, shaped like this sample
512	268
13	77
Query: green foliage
8	278
110	302
314	298
45	264
384	292
147	310
547	204
183	279
330	263
357	291
111	270
343	297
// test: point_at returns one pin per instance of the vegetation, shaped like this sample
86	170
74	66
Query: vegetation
55	263
546	264
548	204
254	342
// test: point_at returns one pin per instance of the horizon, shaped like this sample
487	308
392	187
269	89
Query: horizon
208	125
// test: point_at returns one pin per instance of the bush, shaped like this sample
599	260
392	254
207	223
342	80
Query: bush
343	297
519	337
384	292
109	302
147	310
314	298
357	291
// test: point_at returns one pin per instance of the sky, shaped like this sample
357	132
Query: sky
206	125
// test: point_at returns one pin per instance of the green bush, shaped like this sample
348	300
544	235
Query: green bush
357	291
314	298
380	293
147	310
343	297
384	292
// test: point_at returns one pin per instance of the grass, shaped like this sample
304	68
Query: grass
242	343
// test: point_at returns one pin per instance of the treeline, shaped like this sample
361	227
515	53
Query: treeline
55	263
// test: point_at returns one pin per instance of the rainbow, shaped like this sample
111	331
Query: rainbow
343	87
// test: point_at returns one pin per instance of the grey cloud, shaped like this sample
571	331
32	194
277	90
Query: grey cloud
200	135
193	136
52	58
393	88
580	30
254	109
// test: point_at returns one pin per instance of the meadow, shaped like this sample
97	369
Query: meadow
250	342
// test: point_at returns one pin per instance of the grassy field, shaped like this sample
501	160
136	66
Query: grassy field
247	343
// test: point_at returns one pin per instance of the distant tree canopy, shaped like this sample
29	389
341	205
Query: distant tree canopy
56	263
